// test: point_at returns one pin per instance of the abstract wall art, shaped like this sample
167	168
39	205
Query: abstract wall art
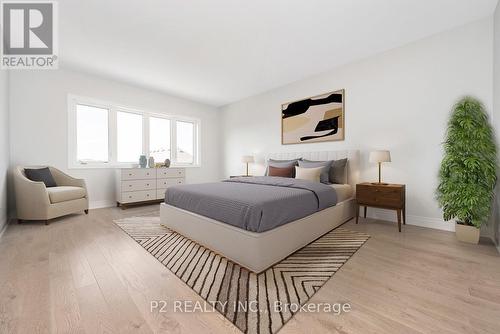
315	119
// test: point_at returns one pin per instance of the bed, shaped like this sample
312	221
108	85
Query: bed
247	221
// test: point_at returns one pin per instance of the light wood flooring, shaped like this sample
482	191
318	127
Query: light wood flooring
82	274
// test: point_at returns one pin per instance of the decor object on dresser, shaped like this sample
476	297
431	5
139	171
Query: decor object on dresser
167	163
467	176
379	157
36	200
315	119
136	185
389	196
143	161
151	162
246	159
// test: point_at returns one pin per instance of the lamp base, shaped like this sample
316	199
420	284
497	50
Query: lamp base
380	183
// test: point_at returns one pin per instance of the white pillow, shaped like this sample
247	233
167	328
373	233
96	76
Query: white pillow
309	174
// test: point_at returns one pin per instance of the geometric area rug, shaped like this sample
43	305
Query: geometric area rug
255	303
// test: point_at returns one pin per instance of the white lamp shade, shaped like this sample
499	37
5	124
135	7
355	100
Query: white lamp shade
247	159
380	156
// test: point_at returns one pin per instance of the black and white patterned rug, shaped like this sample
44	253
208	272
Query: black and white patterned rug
247	299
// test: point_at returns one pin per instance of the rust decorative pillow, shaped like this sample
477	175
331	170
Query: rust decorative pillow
281	171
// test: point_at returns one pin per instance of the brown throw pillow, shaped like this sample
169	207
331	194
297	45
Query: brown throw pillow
282	172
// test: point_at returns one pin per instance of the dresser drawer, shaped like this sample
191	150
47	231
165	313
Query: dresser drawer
135	185
160	193
384	196
138	196
165	183
138	174
164	173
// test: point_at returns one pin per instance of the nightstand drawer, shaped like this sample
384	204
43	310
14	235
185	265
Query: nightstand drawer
380	195
379	202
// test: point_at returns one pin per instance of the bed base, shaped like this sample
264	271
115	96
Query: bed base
255	251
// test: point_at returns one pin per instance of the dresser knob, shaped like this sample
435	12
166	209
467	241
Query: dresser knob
147	184
147	195
130	197
129	174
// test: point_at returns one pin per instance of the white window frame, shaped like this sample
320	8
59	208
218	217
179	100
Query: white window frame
113	108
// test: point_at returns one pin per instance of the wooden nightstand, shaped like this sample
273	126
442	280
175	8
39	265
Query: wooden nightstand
390	196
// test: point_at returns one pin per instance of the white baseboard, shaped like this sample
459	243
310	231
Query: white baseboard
3	227
4	220
390	215
101	204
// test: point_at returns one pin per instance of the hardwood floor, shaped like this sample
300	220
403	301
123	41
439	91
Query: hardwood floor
82	274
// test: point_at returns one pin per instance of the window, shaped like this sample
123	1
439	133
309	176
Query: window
129	136
102	135
185	142
92	134
159	139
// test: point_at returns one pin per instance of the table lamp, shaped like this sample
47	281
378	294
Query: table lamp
380	156
246	159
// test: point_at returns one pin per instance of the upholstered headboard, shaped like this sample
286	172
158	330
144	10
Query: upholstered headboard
351	155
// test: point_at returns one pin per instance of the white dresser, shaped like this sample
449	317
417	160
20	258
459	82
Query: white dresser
135	185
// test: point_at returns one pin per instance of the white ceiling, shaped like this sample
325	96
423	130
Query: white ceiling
220	51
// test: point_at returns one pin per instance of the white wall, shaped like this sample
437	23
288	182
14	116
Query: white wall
399	100
496	108
38	121
4	145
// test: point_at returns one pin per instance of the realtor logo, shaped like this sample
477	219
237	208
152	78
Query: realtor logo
29	38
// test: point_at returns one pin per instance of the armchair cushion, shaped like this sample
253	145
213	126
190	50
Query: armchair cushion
41	175
65	193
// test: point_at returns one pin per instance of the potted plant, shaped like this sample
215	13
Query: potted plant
467	175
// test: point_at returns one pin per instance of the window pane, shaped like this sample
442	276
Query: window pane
129	136
185	143
91	134
159	138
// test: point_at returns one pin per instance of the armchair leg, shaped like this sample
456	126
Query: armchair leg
86	211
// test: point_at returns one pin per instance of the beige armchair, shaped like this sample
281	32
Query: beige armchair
34	201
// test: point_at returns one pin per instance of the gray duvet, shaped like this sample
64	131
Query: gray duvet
255	204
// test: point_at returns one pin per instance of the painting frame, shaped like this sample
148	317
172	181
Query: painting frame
331	138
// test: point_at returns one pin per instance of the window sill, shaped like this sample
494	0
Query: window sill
185	166
118	166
